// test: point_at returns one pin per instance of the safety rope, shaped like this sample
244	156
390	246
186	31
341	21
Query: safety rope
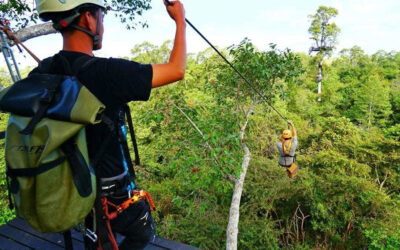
4	26
233	67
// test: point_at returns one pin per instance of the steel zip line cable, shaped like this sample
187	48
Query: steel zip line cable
233	67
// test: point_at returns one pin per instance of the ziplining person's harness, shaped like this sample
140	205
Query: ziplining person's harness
290	168
286	152
53	96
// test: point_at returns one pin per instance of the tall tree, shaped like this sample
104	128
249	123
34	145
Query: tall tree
324	33
267	70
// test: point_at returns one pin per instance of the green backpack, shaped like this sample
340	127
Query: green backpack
48	171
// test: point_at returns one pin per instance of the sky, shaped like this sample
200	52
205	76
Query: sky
370	24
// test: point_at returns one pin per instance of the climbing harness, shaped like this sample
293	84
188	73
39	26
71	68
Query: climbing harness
293	168
286	149
233	67
136	195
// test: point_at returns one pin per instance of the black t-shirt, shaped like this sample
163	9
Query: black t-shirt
114	82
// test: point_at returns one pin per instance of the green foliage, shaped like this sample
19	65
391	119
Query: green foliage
5	213
382	240
266	71
347	193
149	53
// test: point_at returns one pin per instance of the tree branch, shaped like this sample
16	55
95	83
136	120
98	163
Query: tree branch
33	31
383	182
206	144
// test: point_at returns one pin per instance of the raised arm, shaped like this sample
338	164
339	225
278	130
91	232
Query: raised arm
292	128
174	70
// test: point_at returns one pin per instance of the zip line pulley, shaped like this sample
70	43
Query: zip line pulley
233	67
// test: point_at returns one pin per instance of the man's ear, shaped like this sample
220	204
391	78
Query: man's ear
88	21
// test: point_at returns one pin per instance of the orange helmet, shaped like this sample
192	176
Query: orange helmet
286	134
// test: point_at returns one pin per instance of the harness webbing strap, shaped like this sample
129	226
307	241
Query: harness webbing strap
79	168
104	241
133	137
124	142
286	150
102	149
126	153
68	240
10	202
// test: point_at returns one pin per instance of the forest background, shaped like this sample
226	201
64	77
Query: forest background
347	193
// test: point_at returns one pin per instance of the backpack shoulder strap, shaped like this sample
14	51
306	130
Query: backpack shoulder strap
124	143
45	65
82	63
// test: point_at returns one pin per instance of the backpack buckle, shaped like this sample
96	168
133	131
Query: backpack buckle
87	232
90	234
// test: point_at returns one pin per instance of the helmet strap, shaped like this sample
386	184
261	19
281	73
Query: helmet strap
95	37
64	23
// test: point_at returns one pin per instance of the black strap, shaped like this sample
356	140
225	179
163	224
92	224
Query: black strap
68	240
66	66
10	203
45	101
30	172
2	135
126	153
13	187
111	126
101	224
79	169
45	66
100	218
81	64
132	132
124	144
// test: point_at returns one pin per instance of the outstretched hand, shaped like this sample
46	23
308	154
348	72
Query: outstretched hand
175	10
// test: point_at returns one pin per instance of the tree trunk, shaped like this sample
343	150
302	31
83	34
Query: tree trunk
369	114
319	80
232	229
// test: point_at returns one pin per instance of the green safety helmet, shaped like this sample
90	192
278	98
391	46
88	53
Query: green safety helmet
48	7
51	6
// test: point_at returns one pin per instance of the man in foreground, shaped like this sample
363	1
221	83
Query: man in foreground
114	82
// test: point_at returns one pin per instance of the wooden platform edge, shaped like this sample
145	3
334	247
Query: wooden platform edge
17	234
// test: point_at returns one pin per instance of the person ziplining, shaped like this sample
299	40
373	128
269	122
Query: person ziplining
287	146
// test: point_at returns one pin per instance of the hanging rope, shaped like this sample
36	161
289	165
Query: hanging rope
4	26
233	67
